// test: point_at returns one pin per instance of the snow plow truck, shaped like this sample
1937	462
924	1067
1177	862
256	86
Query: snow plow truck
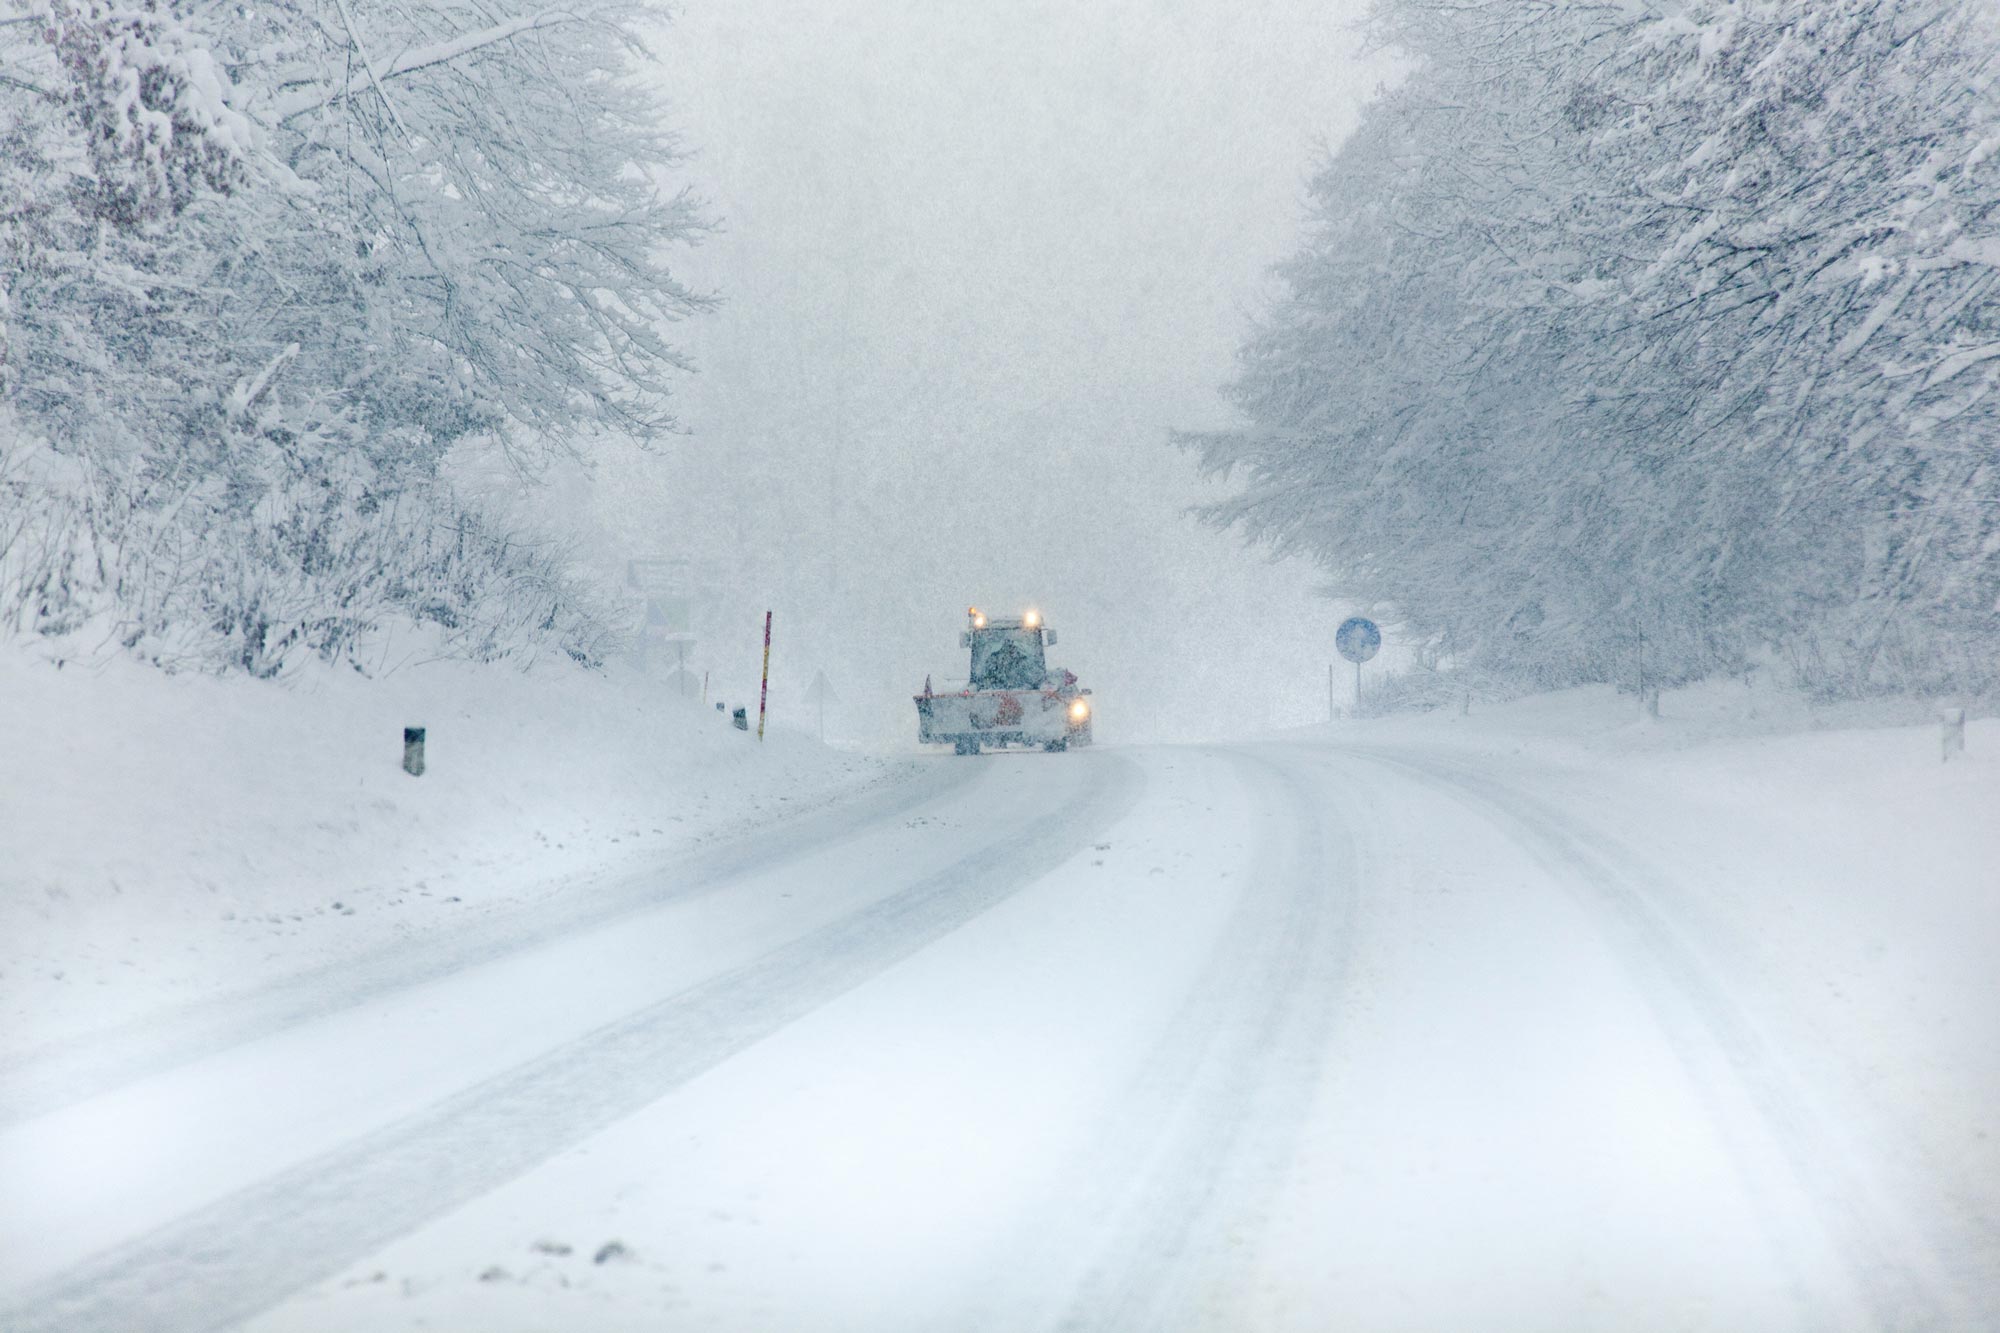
1011	696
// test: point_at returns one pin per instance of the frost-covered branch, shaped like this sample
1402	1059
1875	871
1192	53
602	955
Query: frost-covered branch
300	101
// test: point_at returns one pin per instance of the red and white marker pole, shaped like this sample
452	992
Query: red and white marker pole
764	690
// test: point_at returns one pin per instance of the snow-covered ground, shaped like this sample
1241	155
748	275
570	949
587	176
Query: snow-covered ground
167	839
1544	1017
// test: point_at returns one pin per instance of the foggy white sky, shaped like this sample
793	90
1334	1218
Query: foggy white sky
978	260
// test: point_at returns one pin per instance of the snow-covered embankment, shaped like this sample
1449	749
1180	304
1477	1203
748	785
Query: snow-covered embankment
165	838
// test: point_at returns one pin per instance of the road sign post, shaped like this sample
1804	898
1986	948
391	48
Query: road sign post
664	590
1357	640
817	694
1952	720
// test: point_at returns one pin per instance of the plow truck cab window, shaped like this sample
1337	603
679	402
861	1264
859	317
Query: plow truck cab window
1007	659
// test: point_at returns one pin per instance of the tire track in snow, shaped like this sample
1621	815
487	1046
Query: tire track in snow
1893	1262
1199	1142
230	1260
39	1082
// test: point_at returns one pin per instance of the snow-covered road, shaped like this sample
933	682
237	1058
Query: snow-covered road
1279	1036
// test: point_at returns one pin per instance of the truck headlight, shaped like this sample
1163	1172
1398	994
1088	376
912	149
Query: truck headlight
1078	711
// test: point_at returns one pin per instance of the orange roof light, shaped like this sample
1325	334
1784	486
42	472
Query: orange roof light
1032	618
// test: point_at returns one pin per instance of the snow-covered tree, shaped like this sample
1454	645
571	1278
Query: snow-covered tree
1641	336
267	266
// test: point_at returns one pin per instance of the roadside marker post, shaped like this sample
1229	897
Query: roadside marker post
1952	720
413	751
764	690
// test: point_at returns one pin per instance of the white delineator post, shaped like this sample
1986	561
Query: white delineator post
413	751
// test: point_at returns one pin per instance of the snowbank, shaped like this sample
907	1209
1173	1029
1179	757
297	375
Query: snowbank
164	838
1853	869
1598	719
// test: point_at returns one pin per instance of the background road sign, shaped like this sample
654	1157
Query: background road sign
1357	639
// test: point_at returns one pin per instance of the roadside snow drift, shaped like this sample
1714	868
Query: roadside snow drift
164	838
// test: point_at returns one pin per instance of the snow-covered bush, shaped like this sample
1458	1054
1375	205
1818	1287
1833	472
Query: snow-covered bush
1430	688
96	555
154	105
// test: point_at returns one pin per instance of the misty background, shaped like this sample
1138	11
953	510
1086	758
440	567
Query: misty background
1581	346
976	264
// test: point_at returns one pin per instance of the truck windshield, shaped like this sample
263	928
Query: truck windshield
1007	659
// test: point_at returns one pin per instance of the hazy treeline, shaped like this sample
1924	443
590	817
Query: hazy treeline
1643	333
263	267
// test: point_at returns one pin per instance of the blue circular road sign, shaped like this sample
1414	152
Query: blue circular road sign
1357	639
